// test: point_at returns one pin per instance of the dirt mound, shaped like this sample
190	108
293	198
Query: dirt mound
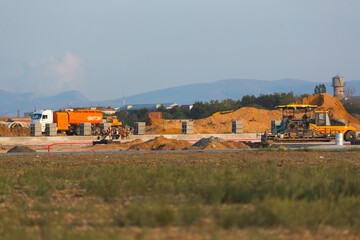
218	143
112	146
160	126
161	143
130	143
20	149
332	104
7	132
254	120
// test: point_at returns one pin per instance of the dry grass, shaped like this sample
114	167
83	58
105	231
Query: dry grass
243	195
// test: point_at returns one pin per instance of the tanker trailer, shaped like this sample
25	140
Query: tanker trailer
68	121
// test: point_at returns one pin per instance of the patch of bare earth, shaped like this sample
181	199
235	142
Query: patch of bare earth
161	143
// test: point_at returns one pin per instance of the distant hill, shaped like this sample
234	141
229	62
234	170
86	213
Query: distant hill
222	89
12	103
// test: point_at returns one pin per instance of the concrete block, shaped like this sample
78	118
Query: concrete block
237	127
187	127
35	129
85	129
139	128
50	129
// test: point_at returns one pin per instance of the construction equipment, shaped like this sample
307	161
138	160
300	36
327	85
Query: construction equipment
223	112
296	128
115	123
68	121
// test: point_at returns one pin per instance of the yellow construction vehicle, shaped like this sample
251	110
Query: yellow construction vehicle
298	125
223	112
114	121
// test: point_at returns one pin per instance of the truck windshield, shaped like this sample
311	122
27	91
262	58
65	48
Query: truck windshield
36	116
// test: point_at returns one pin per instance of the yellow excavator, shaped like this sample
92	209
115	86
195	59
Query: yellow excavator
298	125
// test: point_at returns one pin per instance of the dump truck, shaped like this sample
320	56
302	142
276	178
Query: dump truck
313	125
68	121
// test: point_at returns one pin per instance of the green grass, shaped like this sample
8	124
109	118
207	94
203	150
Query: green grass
57	196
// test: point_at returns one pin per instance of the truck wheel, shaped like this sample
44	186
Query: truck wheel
350	136
69	133
77	131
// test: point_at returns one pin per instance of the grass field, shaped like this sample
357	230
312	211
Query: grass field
203	195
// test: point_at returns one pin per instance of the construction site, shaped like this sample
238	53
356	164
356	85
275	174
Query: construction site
185	179
216	131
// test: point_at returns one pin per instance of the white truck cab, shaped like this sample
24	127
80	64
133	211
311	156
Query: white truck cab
43	117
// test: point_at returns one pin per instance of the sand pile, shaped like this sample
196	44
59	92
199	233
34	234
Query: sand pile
161	143
20	149
218	143
332	104
7	132
161	126
254	120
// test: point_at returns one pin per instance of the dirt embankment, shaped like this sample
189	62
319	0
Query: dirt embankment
254	120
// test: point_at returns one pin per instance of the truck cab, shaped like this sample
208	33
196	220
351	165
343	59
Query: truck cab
43	117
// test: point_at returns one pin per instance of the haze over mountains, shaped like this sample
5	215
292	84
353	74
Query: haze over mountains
12	104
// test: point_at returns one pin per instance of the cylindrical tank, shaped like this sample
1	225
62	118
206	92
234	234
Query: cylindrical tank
339	139
85	116
338	83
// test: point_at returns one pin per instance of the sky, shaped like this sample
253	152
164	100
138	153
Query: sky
108	48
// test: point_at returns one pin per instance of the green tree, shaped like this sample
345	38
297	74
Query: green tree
199	110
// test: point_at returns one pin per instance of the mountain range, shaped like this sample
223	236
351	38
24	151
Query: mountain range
12	104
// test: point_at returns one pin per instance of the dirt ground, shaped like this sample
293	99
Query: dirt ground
158	143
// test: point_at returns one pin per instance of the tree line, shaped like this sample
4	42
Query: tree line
352	105
205	109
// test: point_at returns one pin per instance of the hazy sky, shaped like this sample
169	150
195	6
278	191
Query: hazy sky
105	47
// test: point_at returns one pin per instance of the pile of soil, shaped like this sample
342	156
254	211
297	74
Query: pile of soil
20	149
161	143
7	132
218	143
254	120
332	104
161	126
112	146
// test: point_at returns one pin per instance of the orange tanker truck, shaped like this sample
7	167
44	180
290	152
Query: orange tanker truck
69	121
